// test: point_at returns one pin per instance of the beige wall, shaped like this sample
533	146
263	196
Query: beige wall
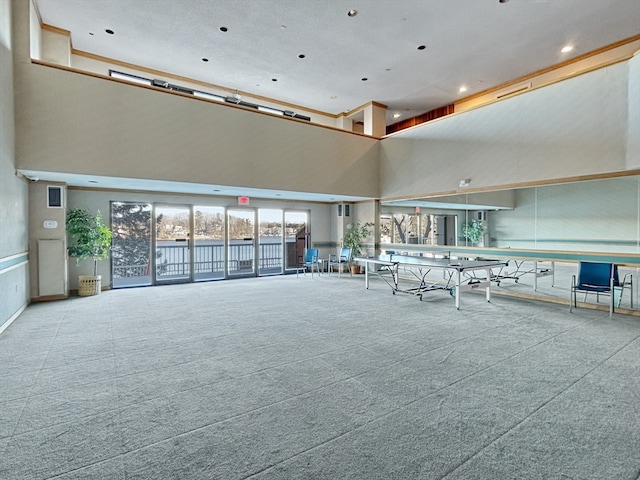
38	214
76	123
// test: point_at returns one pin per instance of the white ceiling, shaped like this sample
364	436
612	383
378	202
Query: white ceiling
474	43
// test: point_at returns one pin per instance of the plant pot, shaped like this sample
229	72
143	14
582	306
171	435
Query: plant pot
89	285
355	269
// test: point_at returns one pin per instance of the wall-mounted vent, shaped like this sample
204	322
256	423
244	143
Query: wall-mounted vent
235	99
54	196
513	90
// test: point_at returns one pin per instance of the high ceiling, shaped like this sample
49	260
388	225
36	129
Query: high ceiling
414	54
475	44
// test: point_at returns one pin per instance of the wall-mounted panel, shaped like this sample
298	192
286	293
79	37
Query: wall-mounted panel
51	266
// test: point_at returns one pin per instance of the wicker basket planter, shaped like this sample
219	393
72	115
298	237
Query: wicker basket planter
89	285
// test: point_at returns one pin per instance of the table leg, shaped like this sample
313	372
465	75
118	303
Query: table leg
488	289
366	275
457	295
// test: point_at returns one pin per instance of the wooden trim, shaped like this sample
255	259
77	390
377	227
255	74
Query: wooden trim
52	29
560	301
111	61
557	66
566	256
49	298
362	107
512	186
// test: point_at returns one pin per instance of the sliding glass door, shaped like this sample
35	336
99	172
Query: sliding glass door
241	244
158	244
270	241
173	259
209	243
131	245
296	238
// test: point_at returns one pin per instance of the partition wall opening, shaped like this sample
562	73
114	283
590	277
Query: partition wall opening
156	243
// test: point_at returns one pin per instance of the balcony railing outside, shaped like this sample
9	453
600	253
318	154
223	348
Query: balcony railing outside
172	262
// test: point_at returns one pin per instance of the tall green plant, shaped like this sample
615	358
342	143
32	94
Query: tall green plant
90	237
354	236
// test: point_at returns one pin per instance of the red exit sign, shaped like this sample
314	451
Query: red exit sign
243	200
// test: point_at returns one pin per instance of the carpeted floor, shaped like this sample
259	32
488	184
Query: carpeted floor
317	378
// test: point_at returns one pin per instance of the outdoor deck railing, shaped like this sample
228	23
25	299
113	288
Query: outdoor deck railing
173	260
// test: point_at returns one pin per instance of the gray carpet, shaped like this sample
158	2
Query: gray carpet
301	378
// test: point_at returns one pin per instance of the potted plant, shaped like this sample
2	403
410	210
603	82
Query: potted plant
90	239
352	238
473	231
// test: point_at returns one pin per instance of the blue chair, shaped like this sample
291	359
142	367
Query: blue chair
342	259
601	279
311	261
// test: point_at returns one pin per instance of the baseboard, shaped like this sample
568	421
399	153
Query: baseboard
4	326
49	298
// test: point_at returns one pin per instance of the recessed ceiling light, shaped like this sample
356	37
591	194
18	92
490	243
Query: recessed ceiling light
109	31
274	79
352	13
90	33
566	48
333	97
396	115
283	27
364	79
462	89
302	55
224	29
421	47
205	59
503	1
